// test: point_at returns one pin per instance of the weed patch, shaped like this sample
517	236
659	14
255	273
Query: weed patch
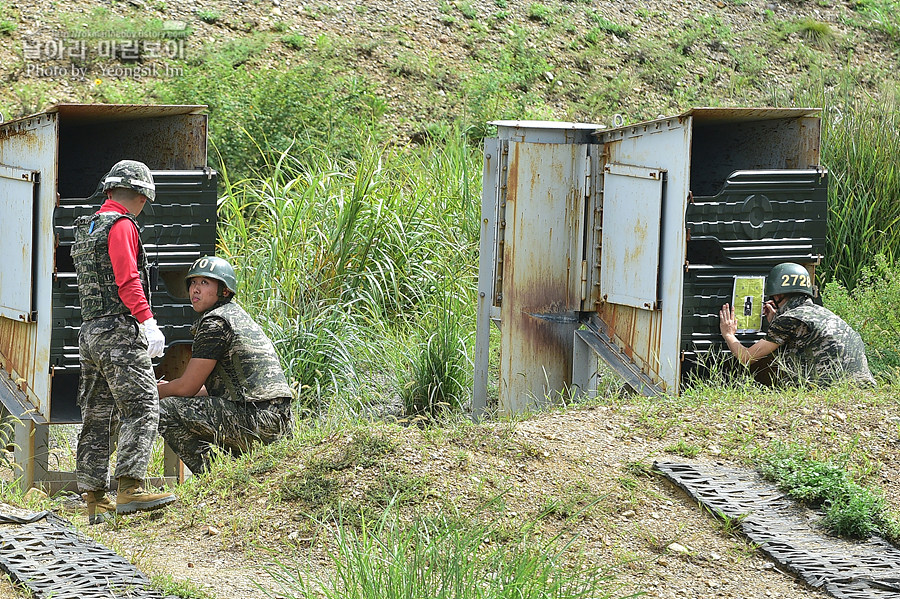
850	509
393	560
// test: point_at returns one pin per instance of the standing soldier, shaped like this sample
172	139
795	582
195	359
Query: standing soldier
815	343
118	338
233	392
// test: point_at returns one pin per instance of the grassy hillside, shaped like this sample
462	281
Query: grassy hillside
411	67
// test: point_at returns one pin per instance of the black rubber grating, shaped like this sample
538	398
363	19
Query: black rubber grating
52	559
787	532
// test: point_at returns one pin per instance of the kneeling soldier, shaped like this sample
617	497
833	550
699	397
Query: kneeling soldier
233	391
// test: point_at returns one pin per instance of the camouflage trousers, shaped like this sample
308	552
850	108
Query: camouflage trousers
192	425
117	386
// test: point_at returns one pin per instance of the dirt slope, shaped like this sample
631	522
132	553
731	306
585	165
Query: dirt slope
585	470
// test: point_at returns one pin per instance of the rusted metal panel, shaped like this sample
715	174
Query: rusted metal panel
592	342
96	113
809	139
546	132
651	338
30	145
632	206
542	270
637	334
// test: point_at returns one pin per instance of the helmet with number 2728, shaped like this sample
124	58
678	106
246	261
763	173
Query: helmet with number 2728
788	277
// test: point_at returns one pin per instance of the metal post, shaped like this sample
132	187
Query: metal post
486	263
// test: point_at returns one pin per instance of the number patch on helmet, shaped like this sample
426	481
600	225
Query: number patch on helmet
204	262
794	280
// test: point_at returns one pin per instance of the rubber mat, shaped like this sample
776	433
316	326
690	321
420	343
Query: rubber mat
787	532
52	559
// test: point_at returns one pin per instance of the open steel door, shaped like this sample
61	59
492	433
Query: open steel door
18	207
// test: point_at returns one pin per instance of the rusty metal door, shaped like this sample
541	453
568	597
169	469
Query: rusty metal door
542	270
18	206
632	210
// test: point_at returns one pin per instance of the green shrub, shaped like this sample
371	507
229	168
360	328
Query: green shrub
540	12
816	31
873	310
850	509
855	513
208	16
297	41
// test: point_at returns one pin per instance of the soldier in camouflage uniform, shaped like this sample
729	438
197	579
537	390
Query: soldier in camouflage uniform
815	343
233	392
117	339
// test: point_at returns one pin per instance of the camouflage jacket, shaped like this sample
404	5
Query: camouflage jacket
98	293
249	371
818	345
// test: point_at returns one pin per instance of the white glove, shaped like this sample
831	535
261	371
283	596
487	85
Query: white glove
156	341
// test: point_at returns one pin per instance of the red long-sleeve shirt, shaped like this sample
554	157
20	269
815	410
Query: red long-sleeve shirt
123	253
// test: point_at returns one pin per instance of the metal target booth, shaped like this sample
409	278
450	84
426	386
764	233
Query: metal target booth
50	163
620	245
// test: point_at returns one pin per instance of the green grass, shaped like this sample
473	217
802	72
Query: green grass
816	32
184	589
295	41
862	152
850	509
605	25
540	12
446	558
208	15
437	375
880	16
871	308
682	448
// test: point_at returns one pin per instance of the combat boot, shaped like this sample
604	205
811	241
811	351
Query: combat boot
99	507
133	497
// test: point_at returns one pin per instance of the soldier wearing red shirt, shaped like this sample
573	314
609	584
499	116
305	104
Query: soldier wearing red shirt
117	340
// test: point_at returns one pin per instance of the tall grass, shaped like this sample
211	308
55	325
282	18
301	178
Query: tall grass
861	148
254	111
435	376
446	559
336	257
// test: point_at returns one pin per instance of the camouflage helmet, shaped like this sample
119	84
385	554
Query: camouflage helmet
131	174
213	267
788	277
